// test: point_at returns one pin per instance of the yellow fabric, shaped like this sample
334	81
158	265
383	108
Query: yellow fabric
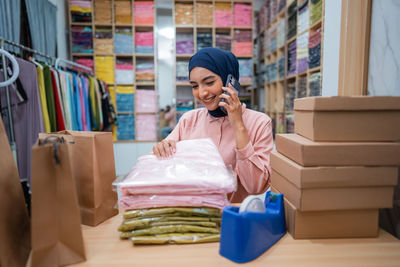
43	103
81	9
125	89
93	102
105	68
112	95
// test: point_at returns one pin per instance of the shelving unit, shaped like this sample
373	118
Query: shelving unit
118	17
293	79
194	19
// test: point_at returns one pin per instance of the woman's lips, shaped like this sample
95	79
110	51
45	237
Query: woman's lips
208	100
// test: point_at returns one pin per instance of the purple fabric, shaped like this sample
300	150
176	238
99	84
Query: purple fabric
27	116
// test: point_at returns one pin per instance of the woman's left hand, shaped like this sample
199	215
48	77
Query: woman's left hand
232	106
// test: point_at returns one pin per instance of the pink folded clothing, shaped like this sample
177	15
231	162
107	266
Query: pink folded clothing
129	202
223	18
146	127
195	168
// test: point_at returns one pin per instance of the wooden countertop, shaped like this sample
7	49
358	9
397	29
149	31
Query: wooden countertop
103	247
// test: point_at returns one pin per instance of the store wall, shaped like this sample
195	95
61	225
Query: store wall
384	54
331	48
62	31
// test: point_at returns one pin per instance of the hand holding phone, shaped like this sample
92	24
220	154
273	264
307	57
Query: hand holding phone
236	87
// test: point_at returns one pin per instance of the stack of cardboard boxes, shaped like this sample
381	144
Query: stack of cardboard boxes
340	167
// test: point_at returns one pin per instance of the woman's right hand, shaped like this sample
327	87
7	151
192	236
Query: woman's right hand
165	148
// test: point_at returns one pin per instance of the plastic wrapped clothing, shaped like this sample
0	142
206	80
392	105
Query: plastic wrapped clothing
196	168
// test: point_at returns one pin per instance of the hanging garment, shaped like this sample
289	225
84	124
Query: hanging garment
77	99
57	102
43	102
50	97
26	116
64	97
93	104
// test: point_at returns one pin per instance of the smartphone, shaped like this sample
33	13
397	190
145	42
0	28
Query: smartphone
236	87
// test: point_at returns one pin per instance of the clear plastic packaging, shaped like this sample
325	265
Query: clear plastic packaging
196	168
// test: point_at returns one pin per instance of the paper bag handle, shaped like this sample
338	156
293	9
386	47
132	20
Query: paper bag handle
50	139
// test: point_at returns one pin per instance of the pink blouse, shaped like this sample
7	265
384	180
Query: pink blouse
252	163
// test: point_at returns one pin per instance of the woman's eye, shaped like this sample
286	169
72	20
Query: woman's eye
195	86
210	83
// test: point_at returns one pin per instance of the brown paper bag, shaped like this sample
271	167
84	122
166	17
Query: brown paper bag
56	224
14	220
94	171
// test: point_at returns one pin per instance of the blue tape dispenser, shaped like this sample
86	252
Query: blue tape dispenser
247	234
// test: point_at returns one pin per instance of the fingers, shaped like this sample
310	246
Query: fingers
164	149
231	91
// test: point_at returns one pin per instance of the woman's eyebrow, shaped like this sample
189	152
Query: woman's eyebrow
208	77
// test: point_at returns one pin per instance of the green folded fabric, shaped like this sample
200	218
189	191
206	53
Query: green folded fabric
166	229
208	212
175	238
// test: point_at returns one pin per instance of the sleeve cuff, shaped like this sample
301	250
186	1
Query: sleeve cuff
246	152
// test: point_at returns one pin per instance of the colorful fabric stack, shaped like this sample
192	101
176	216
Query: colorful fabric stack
273	4
144	42
144	70
314	49
176	200
242	43
146	127
182	71
266	48
144	12
102	9
124	73
123	41
245	71
303	19
103	42
281	5
88	62
292	58
273	35
262	18
146	100
184	43
289	123
281	67
314	83
125	127
301	90
281	32
292	20
316	11
271	72
302	52
204	13
268	14
222	14
81	10
123	12
81	39
242	15
124	98
105	68
204	39
184	14
223	41
290	96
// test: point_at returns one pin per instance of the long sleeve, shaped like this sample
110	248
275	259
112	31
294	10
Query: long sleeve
253	161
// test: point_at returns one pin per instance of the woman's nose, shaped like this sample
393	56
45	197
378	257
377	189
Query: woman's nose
203	92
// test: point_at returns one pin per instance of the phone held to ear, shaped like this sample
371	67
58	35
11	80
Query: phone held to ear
236	87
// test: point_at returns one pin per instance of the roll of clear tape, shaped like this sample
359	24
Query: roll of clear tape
252	204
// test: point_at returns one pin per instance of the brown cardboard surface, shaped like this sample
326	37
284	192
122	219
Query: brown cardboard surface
334	176
348	125
330	224
341	103
308	153
333	198
359	118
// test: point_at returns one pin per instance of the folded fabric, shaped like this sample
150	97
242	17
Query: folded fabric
127	202
186	172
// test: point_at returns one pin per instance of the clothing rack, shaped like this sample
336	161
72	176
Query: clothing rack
54	61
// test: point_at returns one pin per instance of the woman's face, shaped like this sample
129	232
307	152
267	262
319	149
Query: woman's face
206	87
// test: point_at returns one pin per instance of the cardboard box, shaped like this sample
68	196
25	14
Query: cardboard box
308	153
330	224
333	188
359	118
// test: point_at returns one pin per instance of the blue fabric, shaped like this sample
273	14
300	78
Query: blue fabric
86	99
78	114
220	62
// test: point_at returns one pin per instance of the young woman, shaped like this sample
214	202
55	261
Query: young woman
243	136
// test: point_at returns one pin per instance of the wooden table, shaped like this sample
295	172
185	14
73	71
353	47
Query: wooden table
103	247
